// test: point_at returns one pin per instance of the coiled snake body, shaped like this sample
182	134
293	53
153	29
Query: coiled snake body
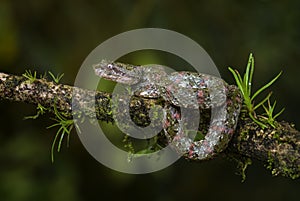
183	91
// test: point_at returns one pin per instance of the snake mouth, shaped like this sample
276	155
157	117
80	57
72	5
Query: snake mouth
116	72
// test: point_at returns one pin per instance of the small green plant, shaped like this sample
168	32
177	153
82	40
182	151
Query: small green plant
269	116
43	76
57	78
245	85
65	126
40	111
29	75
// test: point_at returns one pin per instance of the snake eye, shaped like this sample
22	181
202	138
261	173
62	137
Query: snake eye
109	65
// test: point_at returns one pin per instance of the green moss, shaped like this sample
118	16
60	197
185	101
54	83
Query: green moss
128	145
270	162
244	135
242	162
243	165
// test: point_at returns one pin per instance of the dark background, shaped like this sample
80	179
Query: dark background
58	35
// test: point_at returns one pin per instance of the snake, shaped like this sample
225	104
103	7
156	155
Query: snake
186	95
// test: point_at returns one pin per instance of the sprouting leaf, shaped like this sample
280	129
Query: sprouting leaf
57	78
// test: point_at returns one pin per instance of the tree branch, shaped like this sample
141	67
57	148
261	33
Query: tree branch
278	148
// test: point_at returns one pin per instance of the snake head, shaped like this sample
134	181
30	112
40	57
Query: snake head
118	72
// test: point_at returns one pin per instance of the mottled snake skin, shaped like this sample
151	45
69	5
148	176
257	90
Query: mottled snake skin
183	91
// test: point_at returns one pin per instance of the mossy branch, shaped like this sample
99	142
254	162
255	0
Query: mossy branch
278	148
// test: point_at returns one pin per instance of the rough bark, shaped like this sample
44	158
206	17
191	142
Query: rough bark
278	148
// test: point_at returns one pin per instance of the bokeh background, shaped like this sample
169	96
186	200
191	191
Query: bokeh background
58	35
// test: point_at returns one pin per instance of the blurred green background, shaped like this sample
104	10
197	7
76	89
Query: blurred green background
58	35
